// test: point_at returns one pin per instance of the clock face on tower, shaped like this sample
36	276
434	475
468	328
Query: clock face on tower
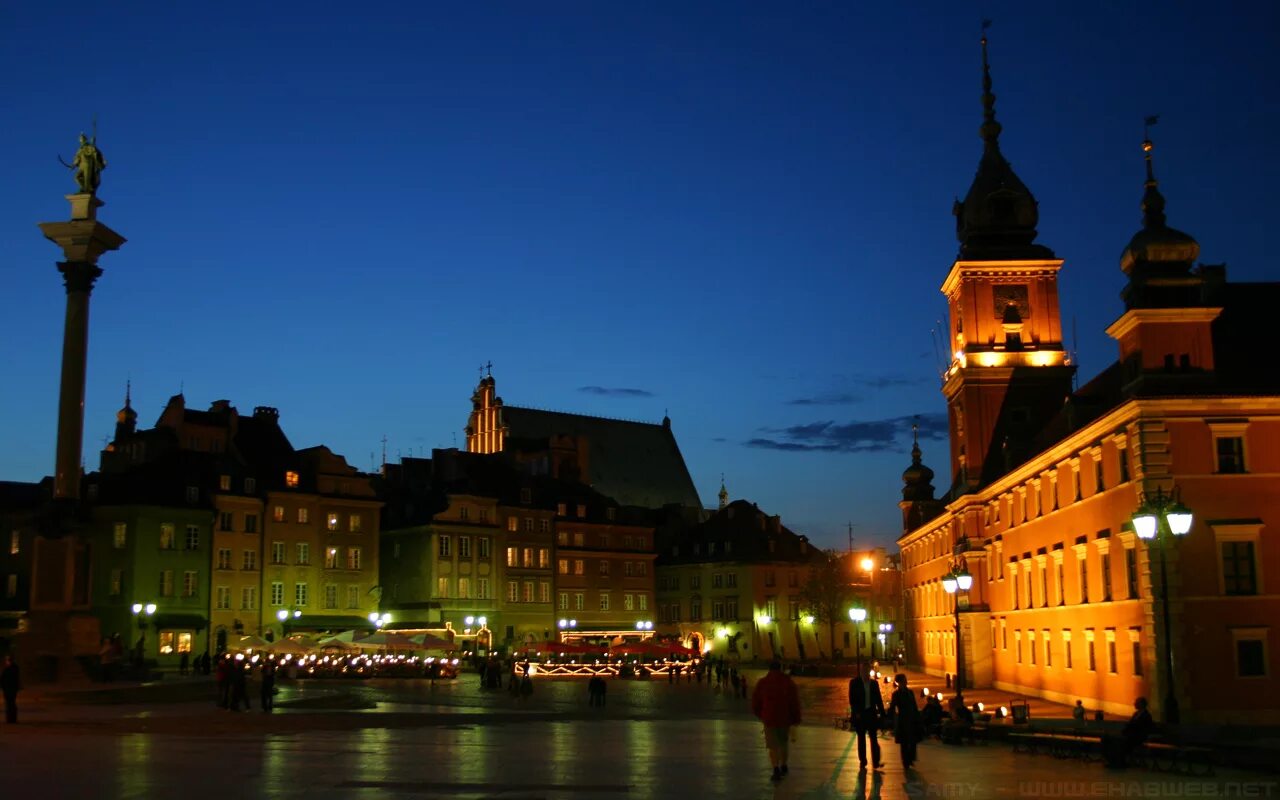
1011	294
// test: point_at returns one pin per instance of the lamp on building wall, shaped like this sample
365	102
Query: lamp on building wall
856	616
1159	520
955	581
379	620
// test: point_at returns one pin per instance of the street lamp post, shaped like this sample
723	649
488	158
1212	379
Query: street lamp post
958	580
1159	520
856	616
885	629
143	614
284	615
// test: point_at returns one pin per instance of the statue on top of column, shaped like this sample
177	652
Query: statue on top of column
87	164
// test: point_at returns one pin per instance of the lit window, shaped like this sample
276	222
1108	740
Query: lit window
224	558
331	558
331	595
332	522
277	593
563	566
249	598
513	524
166	583
304	516
224	598
166	536
277	514
513	556
291	479
15	540
224	483
354	523
578	566
304	554
189	583
353	558
193	537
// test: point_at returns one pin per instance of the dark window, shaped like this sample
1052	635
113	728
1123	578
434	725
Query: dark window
1106	576
1230	454
1123	454
1097	476
1111	657
1131	571
1250	659
1137	658
1084	580
1238	573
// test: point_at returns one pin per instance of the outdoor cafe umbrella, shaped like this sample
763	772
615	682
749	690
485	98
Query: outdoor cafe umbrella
426	641
341	641
290	647
250	643
384	640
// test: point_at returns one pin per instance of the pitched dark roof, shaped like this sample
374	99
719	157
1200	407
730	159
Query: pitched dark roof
750	531
635	463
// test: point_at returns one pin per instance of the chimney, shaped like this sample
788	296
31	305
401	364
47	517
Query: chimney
266	413
220	405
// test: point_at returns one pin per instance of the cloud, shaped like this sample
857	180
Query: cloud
871	436
609	391
874	383
832	399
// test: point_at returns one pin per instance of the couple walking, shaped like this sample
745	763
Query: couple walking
867	712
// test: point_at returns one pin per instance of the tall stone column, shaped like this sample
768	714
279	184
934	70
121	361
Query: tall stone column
83	240
58	627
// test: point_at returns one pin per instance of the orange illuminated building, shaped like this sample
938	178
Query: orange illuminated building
1066	599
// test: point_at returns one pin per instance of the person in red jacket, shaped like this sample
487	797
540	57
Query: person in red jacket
776	703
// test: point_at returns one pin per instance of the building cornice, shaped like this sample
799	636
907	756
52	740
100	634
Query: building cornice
1137	316
999	270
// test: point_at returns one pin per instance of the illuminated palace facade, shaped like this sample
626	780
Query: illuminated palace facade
1066	601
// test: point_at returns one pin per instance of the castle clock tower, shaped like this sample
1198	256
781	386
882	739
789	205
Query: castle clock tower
1009	372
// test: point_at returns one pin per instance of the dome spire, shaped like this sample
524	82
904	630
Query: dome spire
724	493
990	130
1152	201
997	218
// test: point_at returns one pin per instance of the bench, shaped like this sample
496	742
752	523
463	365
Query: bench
1077	744
1164	756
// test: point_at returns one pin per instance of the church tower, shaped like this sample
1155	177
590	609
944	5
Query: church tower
126	418
485	429
1165	335
918	503
1009	372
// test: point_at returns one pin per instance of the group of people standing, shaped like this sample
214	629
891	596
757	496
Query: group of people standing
776	703
232	680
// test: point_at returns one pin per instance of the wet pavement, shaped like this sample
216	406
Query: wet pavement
408	739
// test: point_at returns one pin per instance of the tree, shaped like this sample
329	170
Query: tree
828	592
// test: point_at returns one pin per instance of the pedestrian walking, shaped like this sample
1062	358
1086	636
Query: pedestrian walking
526	687
776	703
239	688
267	696
866	709
222	680
908	728
10	683
743	691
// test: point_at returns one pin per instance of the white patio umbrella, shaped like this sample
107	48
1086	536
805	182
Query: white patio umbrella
249	643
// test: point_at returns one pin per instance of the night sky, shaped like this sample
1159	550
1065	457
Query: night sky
736	213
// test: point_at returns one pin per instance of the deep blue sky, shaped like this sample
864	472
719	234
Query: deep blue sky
739	211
